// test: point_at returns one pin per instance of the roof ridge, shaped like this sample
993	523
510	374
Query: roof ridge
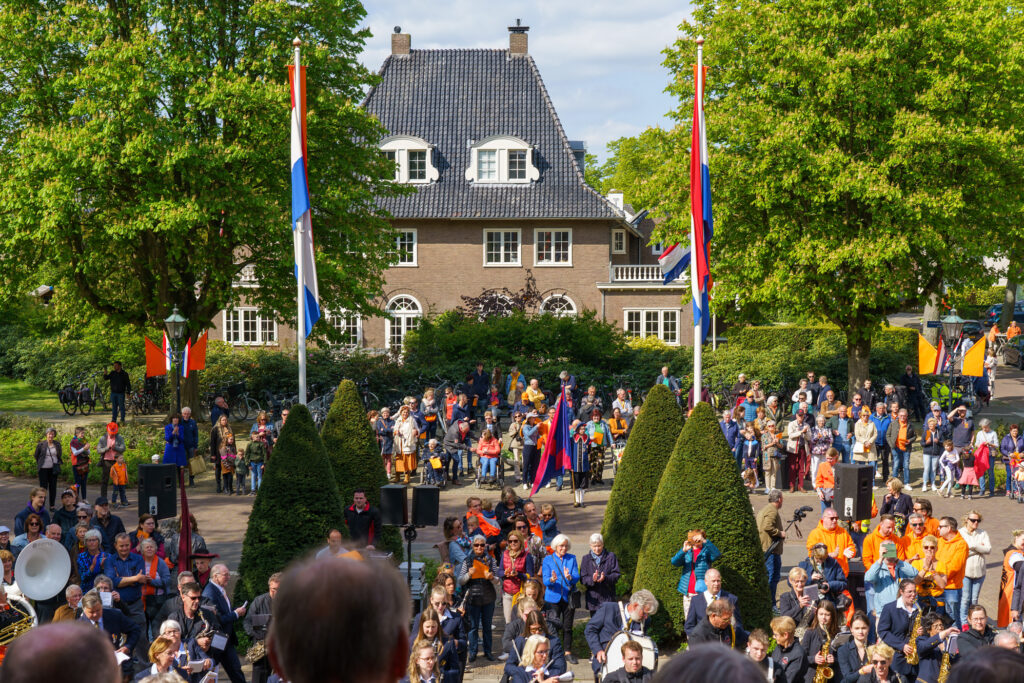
565	140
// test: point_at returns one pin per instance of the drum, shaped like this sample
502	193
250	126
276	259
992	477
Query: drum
613	652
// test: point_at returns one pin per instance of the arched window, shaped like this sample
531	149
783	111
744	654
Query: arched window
404	314
559	306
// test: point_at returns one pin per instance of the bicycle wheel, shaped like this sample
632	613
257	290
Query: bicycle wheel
254	406
70	407
85	406
239	408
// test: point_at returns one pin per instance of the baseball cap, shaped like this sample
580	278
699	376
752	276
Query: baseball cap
101	500
5	530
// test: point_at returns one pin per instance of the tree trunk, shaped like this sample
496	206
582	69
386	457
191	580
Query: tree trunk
1009	302
931	312
858	351
189	392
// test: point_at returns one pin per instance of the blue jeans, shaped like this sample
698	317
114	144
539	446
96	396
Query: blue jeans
990	479
455	458
480	616
774	566
971	592
952	598
901	465
844	452
488	467
257	475
931	465
116	401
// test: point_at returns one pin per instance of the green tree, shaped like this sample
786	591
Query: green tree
632	164
861	154
701	489
297	504
355	456
647	451
145	156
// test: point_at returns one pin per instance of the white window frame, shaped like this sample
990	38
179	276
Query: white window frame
236	337
519	247
401	145
392	155
643	316
658	248
536	249
401	318
617	234
559	314
415	248
344	319
501	145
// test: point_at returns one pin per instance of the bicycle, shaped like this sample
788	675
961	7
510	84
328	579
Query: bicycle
66	396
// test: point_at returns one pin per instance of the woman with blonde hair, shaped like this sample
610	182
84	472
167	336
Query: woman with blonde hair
406	442
423	666
162	654
517	566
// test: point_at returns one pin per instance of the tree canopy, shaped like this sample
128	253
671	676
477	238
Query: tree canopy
145	149
862	155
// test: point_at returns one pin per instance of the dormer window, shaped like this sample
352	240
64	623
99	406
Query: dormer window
413	159
502	159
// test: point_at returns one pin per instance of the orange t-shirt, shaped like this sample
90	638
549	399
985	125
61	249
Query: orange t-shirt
901	438
836	539
872	541
119	474
953	554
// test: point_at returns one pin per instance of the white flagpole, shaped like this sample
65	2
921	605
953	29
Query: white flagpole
299	245
698	92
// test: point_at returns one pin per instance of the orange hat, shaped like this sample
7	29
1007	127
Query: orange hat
525	396
111	428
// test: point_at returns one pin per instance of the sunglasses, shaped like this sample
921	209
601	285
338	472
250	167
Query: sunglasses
479	545
930	547
83	516
876	662
970	519
916	524
513	540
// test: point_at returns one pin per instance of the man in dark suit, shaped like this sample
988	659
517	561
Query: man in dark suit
699	603
215	596
116	624
608	620
257	624
717	627
894	627
193	618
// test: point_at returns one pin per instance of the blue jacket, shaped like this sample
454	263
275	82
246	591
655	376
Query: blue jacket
833	572
1007	446
849	662
212	599
190	430
556	657
459	413
529	434
731	430
216	411
885	586
749	410
893	625
19	519
606	622
882	425
118	569
748	449
699	610
549	527
174	446
558	590
709	554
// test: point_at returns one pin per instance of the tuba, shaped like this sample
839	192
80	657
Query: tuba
43	569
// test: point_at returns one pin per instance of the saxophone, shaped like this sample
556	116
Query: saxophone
913	658
824	671
944	668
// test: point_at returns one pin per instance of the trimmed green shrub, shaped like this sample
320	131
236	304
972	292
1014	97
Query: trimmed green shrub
297	504
804	338
355	457
647	452
701	489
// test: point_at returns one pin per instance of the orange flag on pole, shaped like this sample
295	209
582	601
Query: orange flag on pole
974	359
926	356
156	361
197	354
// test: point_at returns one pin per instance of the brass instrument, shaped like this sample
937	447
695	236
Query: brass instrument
256	651
944	668
913	658
824	671
16	623
805	621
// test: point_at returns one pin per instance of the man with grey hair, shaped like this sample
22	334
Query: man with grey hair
189	438
772	535
61	652
367	607
69	610
699	605
613	617
1007	641
174	604
718	627
257	624
215	597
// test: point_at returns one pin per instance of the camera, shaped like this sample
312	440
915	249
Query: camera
801	512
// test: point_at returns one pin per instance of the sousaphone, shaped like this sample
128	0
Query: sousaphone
42	569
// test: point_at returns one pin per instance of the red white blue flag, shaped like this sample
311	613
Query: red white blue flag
557	454
673	261
702	225
300	201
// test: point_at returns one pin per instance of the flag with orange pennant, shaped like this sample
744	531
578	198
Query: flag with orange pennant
974	359
927	355
194	356
156	360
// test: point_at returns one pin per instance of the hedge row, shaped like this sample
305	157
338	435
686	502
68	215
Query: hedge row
806	337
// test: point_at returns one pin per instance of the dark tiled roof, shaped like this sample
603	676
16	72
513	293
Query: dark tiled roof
449	97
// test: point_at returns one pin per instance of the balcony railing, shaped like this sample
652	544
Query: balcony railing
636	273
247	277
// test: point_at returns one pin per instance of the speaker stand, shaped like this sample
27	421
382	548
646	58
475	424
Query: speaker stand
410	536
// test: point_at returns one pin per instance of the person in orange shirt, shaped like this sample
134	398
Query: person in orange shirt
837	539
931	574
885	531
119	478
825	481
915	536
953	553
1012	331
923	507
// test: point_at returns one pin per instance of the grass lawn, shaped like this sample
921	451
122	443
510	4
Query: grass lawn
17	396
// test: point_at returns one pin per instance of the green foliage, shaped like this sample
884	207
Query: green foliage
19	436
355	457
297	504
701	489
970	302
157	136
631	165
804	337
647	451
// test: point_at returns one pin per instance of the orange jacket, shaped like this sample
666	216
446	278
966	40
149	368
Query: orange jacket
954	555
488	526
836	539
488	449
931	526
914	548
119	474
871	553
826	478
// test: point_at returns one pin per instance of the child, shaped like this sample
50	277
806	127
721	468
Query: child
80	461
548	523
750	447
473	527
435	463
255	457
968	477
119	478
487	510
580	464
948	461
428	406
228	457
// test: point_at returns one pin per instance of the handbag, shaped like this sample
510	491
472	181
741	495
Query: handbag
792	445
196	465
575	599
858	448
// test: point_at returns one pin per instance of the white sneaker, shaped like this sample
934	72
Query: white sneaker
908	487
503	657
526	487
551	484
878	475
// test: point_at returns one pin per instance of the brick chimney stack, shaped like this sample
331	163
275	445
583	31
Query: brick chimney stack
517	38
400	42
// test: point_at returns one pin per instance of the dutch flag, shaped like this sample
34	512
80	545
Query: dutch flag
300	201
702	224
674	261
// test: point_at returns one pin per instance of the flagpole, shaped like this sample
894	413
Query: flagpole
698	92
299	260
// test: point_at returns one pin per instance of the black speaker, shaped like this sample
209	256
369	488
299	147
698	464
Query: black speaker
853	492
855	584
158	490
394	505
426	501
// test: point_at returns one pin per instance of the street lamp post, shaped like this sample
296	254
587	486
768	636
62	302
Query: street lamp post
952	328
175	325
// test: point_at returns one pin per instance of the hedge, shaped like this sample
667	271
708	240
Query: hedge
296	505
355	457
647	452
701	489
804	337
19	436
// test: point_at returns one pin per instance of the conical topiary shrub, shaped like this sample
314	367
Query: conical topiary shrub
355	457
647	452
297	504
701	489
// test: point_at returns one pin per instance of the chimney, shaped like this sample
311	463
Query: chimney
616	197
400	42
517	38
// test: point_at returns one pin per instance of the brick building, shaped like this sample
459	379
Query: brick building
499	190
